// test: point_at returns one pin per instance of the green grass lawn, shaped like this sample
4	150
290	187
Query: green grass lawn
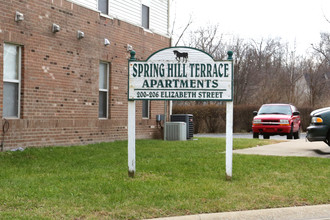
172	178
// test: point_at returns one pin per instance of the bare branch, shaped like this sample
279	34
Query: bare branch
321	52
184	30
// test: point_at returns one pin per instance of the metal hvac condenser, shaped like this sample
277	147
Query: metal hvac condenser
188	118
176	131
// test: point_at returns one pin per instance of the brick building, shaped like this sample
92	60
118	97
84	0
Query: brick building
63	69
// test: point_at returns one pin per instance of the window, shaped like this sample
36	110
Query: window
11	80
103	89
103	6
145	16
145	108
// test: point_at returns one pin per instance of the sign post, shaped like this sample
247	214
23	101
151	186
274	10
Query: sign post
229	132
229	140
180	73
131	138
131	131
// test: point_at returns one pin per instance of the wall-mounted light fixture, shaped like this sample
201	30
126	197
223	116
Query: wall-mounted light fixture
80	35
106	42
19	16
55	28
129	47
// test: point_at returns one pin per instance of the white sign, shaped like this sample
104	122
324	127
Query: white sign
180	73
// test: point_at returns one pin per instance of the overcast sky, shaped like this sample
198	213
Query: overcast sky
299	21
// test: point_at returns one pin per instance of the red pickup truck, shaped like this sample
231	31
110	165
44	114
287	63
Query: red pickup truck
276	119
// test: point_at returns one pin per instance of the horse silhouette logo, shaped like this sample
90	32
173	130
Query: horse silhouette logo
179	55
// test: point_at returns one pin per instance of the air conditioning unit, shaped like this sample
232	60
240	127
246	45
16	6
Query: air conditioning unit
176	131
188	119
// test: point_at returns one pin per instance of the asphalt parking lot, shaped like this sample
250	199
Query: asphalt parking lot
300	147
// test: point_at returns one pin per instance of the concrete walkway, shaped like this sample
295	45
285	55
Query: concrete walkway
300	148
317	212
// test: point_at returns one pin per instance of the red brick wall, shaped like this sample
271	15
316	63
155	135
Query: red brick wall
59	88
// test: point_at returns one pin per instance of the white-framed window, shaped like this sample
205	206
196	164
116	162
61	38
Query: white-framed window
12	62
103	6
103	89
145	108
145	16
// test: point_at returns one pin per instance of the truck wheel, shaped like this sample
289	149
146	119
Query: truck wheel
327	141
289	136
296	135
266	136
255	135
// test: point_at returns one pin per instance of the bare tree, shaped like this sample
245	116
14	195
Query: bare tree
267	71
294	80
267	56
315	73
322	59
323	47
209	40
244	70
